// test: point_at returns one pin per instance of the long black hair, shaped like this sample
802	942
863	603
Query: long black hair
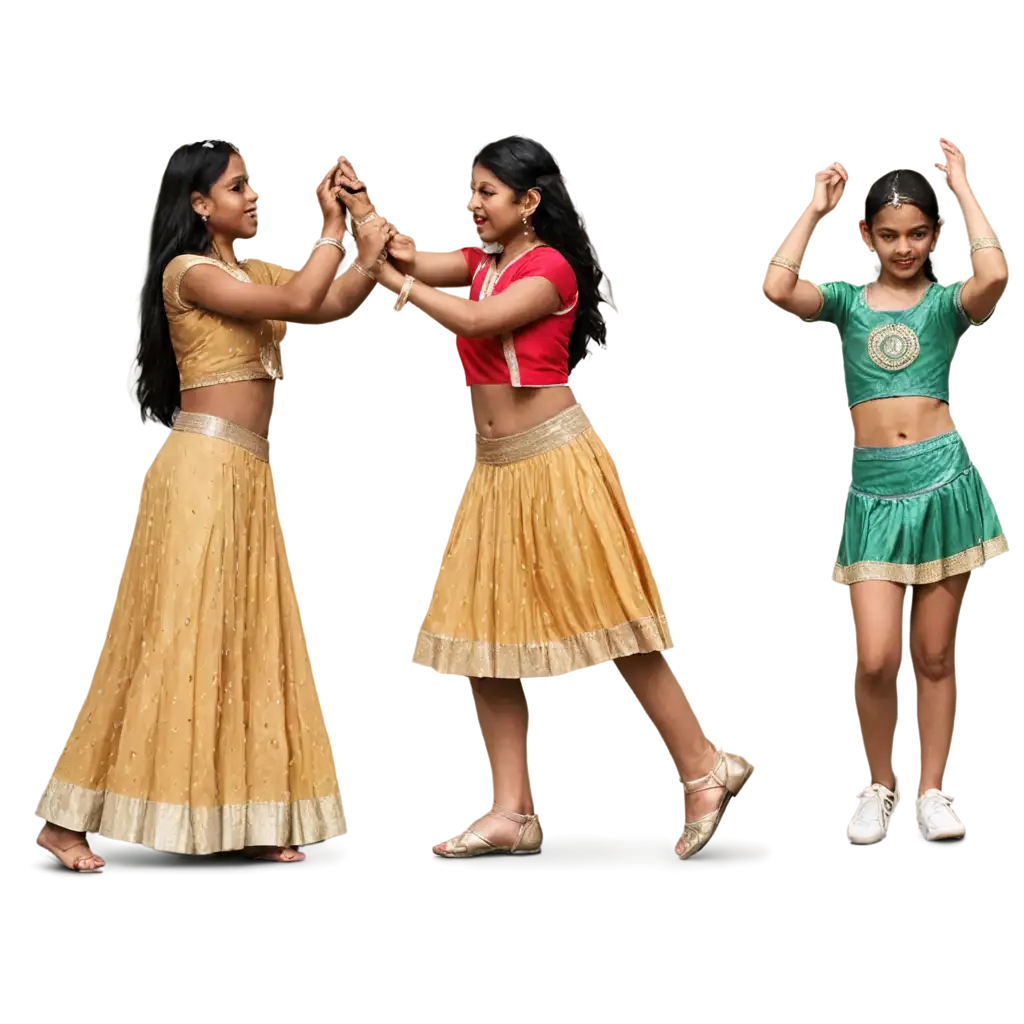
523	164
177	229
899	187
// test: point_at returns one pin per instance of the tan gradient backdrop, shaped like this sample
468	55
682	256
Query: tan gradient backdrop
90	101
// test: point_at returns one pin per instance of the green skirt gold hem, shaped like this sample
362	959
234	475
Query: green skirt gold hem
916	514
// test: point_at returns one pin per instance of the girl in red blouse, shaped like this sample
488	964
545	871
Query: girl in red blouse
544	572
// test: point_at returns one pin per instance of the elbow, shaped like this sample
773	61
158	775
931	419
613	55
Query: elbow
1001	277
773	293
472	326
304	306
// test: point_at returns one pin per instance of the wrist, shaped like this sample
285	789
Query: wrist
813	214
333	229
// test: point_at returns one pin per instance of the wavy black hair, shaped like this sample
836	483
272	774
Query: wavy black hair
910	187
177	229
523	164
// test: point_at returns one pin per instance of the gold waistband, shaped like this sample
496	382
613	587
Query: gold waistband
544	437
214	426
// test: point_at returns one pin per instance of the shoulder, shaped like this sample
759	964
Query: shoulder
949	300
549	263
836	300
475	257
177	269
840	289
186	261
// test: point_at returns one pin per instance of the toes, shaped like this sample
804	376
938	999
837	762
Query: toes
441	849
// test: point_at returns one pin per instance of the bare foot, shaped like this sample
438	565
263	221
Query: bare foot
283	855
70	848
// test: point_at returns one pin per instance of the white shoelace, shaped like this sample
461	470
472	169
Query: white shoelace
876	805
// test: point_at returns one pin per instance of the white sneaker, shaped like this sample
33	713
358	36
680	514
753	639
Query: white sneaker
935	818
871	821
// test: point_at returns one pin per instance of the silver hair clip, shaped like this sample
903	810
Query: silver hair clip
896	200
207	145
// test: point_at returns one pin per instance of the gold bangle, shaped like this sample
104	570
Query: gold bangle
360	221
362	270
785	263
406	291
329	241
985	243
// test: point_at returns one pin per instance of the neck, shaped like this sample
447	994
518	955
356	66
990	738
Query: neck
895	284
223	248
517	245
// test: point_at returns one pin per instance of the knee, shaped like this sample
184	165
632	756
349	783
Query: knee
932	662
878	668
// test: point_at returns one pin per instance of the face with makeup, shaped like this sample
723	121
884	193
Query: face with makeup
497	213
230	205
903	236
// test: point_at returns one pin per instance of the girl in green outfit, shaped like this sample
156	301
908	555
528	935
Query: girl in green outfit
917	512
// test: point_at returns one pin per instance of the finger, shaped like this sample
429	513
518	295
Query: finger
842	170
942	167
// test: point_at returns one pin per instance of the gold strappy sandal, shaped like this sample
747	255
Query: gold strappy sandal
729	774
472	844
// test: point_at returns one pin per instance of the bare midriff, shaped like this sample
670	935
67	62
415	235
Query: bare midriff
890	422
500	409
248	403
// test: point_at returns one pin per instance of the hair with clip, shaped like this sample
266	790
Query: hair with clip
523	164
904	188
177	229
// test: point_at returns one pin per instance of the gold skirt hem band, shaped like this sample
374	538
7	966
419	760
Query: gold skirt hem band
179	828
479	659
225	430
545	437
925	572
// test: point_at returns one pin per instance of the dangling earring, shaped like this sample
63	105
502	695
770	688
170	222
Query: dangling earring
526	224
204	218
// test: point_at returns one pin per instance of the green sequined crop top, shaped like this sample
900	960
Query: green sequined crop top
895	352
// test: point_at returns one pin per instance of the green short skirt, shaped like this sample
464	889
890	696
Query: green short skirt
916	514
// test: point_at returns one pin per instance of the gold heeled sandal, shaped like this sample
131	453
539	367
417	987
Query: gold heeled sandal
729	774
472	844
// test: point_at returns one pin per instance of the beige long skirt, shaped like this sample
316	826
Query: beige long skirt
202	730
544	572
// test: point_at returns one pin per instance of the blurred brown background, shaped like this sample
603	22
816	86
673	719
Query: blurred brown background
732	481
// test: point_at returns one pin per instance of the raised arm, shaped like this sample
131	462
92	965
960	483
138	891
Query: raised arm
782	283
300	298
985	287
520	304
437	269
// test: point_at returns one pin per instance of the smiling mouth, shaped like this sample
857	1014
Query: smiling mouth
479	220
905	263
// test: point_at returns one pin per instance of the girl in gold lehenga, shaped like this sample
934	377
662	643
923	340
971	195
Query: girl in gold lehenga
202	730
543	572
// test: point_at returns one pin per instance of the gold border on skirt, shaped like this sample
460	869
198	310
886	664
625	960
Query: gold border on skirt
545	437
225	430
924	572
179	828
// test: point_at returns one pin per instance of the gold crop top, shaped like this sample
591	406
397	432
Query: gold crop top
215	349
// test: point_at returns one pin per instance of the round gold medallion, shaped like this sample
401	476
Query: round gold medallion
893	346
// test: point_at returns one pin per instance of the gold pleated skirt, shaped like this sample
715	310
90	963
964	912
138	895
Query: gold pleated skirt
202	731
544	572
